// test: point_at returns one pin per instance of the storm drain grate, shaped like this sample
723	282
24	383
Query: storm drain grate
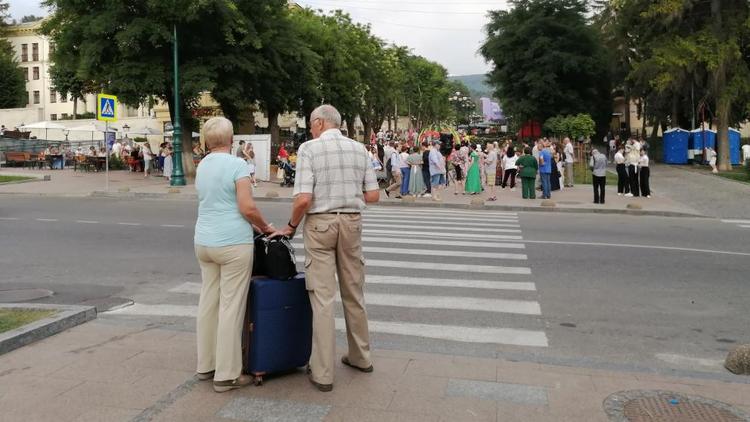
665	406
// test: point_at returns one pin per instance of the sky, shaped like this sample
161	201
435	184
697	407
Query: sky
449	32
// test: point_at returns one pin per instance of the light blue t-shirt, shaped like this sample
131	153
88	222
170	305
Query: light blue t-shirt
547	157
219	220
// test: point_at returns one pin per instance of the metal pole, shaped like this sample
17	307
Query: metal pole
178	176
106	148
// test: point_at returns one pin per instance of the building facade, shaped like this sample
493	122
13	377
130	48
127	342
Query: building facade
33	51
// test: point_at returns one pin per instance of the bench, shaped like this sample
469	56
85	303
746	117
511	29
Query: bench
16	159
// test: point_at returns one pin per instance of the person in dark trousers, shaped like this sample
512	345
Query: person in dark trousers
598	164
426	168
644	173
623	183
527	168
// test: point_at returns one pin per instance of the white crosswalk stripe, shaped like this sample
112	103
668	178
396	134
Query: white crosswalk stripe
447	229
433	252
743	224
460	261
443	235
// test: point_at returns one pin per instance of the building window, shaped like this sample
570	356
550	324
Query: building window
52	96
35	52
63	98
64	116
25	73
36	73
36	97
53	116
24	52
27	98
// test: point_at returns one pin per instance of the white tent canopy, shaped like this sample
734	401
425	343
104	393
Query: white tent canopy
144	131
43	125
93	127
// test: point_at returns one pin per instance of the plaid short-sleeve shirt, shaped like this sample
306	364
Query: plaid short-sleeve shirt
336	170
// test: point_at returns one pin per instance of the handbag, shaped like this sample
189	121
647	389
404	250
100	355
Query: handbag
274	258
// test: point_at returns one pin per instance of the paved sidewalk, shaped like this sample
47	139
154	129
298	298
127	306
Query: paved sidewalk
107	371
134	185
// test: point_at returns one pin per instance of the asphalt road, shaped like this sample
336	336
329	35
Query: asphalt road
647	293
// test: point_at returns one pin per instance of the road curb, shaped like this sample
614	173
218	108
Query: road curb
68	317
513	208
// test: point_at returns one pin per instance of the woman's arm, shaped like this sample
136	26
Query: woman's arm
247	206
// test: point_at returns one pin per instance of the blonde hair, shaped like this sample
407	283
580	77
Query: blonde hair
218	132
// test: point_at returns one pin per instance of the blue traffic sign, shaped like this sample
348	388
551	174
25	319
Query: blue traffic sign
106	107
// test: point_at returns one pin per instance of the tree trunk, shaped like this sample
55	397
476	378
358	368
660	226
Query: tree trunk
350	128
724	100
723	108
627	110
675	110
368	129
75	108
273	126
390	126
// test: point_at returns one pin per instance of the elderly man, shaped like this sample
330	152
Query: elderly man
569	158
598	164
334	182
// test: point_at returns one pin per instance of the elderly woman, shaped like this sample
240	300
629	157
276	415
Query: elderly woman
224	248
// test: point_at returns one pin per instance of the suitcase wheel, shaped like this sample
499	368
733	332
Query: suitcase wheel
258	380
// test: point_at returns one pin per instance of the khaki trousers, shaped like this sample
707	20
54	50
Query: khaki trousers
397	180
221	310
333	247
569	174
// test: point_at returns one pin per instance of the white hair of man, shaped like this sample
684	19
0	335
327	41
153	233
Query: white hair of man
218	132
328	114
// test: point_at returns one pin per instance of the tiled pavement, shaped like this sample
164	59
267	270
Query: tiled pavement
108	371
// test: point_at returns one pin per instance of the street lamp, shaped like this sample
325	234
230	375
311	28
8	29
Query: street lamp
178	177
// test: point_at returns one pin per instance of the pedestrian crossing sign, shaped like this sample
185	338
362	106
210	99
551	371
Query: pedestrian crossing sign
106	108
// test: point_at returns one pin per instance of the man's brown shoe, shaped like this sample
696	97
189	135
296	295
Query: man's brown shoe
205	376
345	361
321	387
241	381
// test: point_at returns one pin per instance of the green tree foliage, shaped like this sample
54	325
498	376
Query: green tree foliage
547	60
125	47
578	127
12	83
681	50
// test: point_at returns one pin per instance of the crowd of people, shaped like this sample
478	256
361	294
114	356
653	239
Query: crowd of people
428	169
632	164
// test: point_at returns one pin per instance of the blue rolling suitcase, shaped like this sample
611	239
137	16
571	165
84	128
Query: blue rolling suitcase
278	327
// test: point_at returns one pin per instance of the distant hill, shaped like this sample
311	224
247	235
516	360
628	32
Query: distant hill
475	83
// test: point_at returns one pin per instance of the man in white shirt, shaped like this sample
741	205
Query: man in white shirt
632	157
569	153
117	149
395	160
388	150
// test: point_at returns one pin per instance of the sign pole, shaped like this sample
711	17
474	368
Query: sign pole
106	148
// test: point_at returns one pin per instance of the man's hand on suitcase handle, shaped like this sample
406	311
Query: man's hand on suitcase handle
288	231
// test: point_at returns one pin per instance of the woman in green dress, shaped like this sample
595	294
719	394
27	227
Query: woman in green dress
416	182
473	175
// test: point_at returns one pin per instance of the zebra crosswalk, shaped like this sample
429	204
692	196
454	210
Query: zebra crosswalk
743	224
435	275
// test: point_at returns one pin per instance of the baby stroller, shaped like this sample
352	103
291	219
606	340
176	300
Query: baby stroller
289	174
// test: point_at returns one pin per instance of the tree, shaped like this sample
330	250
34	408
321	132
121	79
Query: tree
547	60
126	47
688	49
12	84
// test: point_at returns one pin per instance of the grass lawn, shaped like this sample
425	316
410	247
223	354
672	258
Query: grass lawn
6	179
740	174
14	318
